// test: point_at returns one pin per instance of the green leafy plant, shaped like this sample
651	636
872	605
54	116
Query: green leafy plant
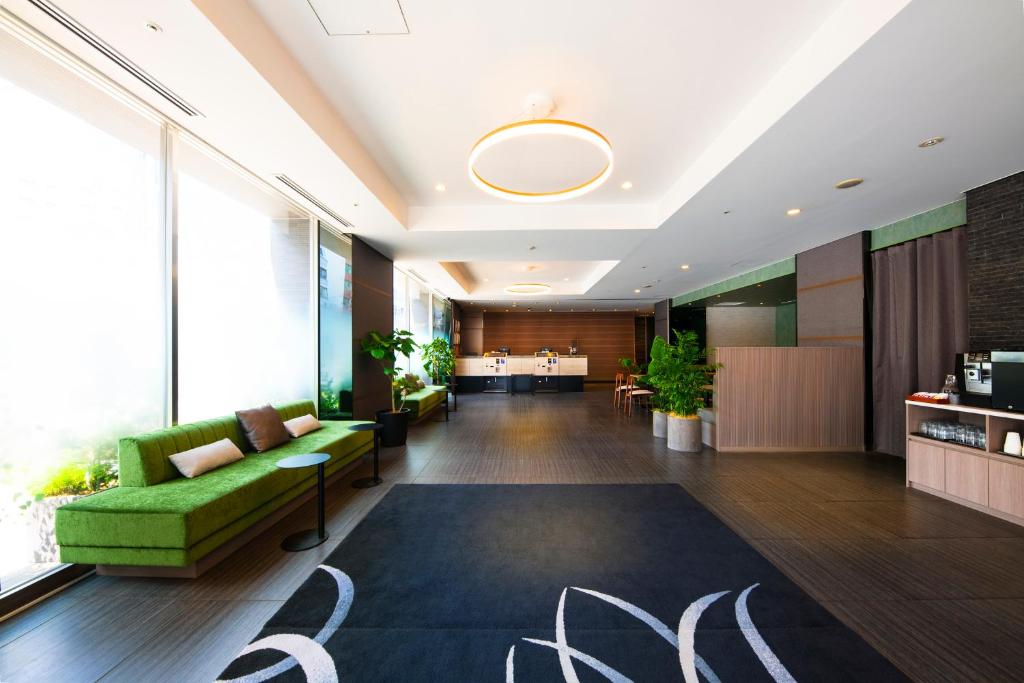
629	366
76	479
438	359
677	375
403	386
386	349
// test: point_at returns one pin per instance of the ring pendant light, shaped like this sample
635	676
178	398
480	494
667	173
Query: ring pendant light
541	126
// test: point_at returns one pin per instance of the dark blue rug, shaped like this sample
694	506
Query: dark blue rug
551	583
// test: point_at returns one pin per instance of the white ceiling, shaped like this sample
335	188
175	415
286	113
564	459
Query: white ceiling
657	77
741	106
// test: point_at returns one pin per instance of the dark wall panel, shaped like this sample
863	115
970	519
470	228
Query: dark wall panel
995	264
602	337
372	309
830	291
662	311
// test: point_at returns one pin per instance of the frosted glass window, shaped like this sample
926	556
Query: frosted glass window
335	295
399	296
419	324
245	328
82	355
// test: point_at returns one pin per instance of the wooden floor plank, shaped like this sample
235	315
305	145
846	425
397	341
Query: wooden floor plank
934	586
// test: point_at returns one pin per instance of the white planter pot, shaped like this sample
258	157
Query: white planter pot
660	424
684	434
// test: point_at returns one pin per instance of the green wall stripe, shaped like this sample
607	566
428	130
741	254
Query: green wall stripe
951	215
786	266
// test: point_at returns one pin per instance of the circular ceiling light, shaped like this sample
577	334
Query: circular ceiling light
848	183
793	212
528	288
541	127
931	142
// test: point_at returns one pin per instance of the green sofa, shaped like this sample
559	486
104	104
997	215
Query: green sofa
423	401
157	518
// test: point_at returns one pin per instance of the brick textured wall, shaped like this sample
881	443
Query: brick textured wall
995	264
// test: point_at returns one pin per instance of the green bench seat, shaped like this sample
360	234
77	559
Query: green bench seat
423	401
159	518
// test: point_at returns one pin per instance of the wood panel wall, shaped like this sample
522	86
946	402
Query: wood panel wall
603	337
372	294
795	398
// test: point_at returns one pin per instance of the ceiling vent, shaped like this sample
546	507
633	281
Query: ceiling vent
302	192
98	44
360	17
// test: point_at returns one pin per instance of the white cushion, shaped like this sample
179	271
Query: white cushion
303	424
195	461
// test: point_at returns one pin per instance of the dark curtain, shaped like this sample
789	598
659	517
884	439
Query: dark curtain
919	324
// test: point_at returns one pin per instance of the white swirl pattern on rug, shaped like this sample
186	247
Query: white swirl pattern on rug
318	666
683	640
308	653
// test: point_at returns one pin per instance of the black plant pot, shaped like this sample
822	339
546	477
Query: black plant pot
396	427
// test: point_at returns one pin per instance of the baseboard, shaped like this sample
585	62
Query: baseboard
208	561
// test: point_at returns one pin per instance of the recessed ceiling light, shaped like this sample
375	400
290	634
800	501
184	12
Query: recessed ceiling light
155	28
685	266
636	291
565	279
487	279
931	142
793	212
627	185
440	187
848	183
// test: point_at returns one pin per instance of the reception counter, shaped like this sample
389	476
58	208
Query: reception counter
517	374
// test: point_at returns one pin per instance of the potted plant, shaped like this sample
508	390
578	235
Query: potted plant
679	379
438	359
659	420
386	349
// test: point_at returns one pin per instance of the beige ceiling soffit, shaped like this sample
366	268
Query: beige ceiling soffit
460	274
245	29
849	27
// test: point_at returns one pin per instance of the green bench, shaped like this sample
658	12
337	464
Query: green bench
425	400
160	523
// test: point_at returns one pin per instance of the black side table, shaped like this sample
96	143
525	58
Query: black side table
304	540
445	388
375	480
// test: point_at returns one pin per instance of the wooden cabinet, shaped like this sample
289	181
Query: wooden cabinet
982	478
1006	487
967	476
926	464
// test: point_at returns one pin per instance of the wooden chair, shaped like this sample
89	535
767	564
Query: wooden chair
639	395
621	387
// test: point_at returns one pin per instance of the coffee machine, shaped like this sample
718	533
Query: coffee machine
974	378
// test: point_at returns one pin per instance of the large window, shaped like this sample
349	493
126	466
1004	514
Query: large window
335	287
82	355
87	283
423	312
245	334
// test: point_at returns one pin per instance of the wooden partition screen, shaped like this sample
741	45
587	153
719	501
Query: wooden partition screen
789	399
603	337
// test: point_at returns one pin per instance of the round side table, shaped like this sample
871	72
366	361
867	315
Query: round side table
375	480
311	538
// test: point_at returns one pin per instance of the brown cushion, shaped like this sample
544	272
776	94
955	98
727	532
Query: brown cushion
263	427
